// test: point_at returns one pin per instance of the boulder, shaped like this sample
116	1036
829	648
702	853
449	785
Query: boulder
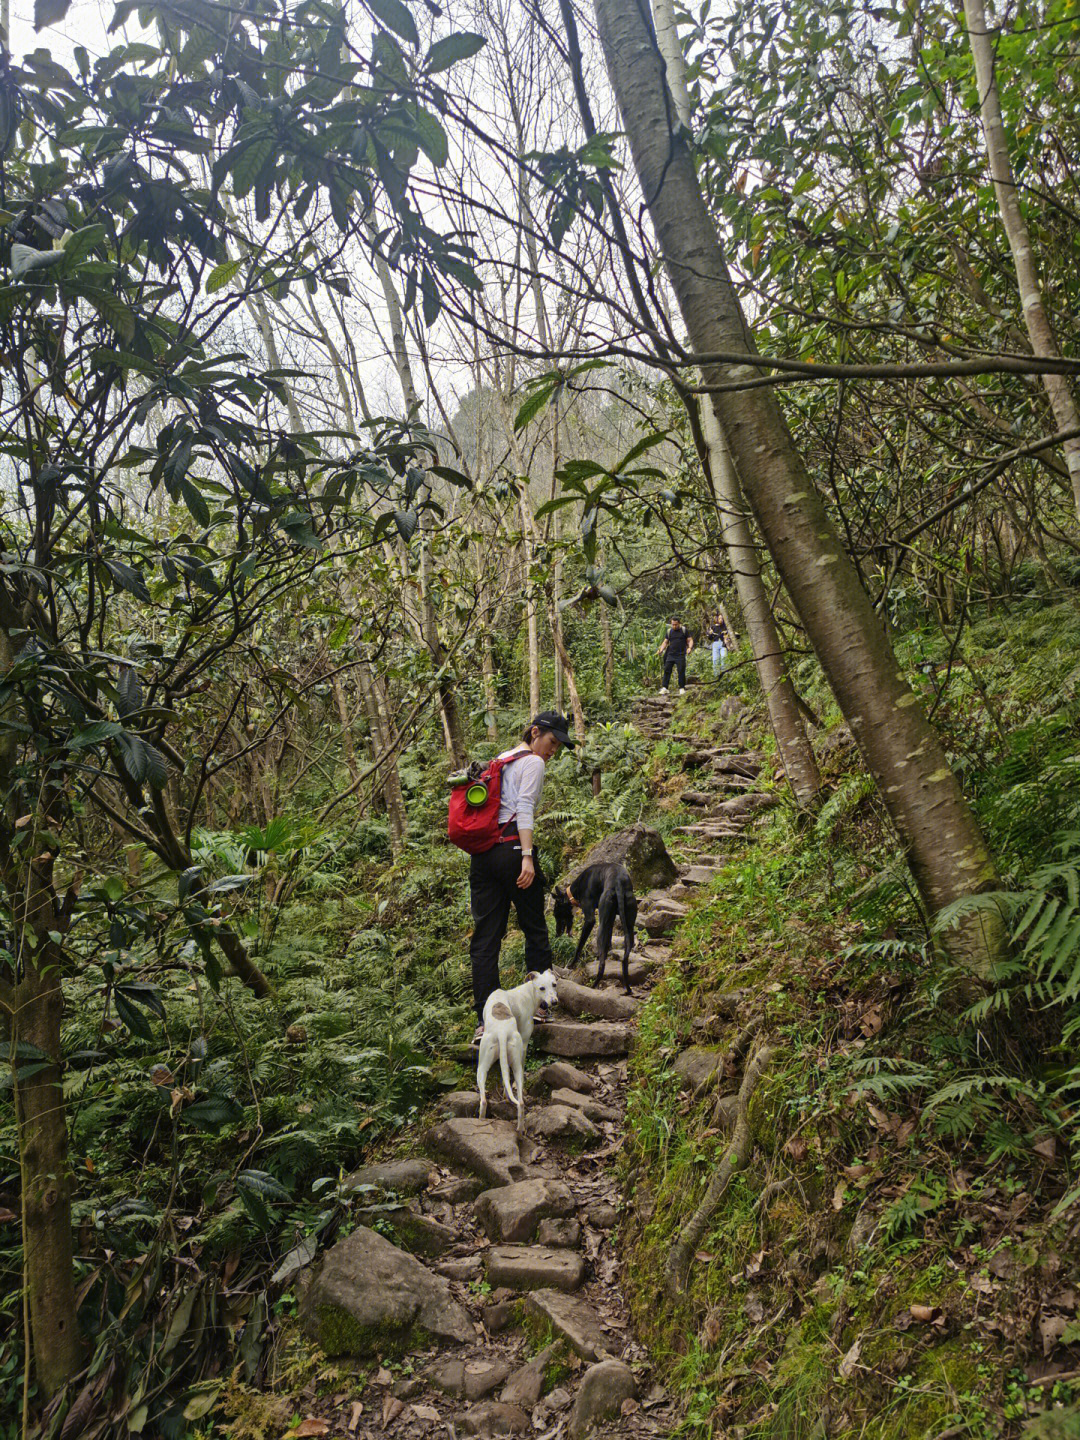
484	1376
697	798
473	1379
367	1296
458	1190
403	1177
524	1386
747	803
512	1212
603	1389
458	1267
494	1418
732	708
467	1102
572	1318
700	874
499	1315
602	1214
643	852
590	1108
525	1267
489	1148
662	917
640	968
561	1122
607	1004
747	765
563	1234
697	1065
559	1074
577	1039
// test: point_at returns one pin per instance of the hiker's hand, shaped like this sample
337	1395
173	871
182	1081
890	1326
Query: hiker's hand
528	872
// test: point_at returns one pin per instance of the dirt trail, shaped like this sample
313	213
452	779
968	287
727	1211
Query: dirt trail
519	1234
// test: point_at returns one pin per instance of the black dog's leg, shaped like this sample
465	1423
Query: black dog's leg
629	920
608	908
588	920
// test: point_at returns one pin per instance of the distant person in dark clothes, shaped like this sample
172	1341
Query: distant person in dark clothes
678	643
720	637
509	873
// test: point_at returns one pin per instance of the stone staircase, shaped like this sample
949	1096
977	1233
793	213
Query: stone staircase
489	1264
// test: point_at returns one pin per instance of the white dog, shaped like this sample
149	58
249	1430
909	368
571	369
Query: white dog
508	1028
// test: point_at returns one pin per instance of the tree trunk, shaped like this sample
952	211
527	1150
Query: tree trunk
33	1004
945	848
609	653
796	752
381	742
530	600
41	1120
346	726
1040	331
487	659
451	715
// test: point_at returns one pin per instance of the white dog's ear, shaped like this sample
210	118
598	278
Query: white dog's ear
532	975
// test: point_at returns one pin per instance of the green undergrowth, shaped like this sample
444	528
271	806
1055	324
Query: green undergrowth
898	1257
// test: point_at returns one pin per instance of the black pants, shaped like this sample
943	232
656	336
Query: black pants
675	662
493	888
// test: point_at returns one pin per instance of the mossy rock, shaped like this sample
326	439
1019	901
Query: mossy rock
368	1297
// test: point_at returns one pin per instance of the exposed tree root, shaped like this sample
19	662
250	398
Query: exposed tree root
678	1262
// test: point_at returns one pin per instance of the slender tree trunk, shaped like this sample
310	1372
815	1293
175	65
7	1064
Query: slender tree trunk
381	740
796	752
609	654
1040	331
945	848
487	659
345	720
47	1184
32	1000
451	715
532	628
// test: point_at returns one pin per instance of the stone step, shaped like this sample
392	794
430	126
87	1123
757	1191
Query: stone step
560	1075
590	1108
574	1320
467	1102
606	1004
560	1122
697	798
577	1039
528	1267
489	1148
641	968
400	1177
700	874
511	1213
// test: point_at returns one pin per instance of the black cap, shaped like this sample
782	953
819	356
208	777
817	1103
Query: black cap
558	724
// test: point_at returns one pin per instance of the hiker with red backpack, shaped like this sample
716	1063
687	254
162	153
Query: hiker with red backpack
492	817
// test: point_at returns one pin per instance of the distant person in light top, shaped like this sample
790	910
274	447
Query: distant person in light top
720	637
677	645
509	873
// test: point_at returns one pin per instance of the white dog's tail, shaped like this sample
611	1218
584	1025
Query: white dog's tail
504	1066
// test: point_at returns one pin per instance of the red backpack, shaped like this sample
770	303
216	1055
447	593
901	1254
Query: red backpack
473	821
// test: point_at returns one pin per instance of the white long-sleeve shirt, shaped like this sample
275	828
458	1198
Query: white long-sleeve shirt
520	786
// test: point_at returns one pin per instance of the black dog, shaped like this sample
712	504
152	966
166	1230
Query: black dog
605	891
563	910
